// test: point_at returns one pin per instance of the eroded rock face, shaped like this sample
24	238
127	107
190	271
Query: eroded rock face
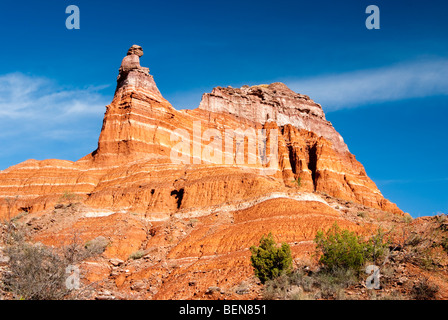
132	62
195	221
133	170
135	50
274	102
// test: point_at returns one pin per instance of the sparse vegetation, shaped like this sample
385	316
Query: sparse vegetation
362	214
19	216
39	272
97	245
193	222
444	244
414	240
36	272
242	288
69	197
137	255
424	290
342	255
298	181
426	248
269	260
324	284
342	249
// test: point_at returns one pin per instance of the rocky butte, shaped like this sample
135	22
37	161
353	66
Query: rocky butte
195	220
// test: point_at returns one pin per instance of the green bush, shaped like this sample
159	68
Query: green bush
269	260
346	250
298	181
376	247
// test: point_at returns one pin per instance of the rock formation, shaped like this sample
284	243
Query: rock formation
274	102
132	62
132	166
133	193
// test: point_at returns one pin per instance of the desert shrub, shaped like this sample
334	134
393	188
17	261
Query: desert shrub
242	288
75	252
325	284
298	181
342	249
414	240
277	288
39	272
288	287
333	282
13	233
35	272
376	246
269	260
427	258
69	197
444	244
137	255
97	245
424	290
362	214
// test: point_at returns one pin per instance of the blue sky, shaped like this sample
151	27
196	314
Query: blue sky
385	91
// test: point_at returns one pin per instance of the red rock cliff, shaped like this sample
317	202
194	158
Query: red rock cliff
133	168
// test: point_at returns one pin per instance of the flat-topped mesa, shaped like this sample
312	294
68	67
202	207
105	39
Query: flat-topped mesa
132	76
273	102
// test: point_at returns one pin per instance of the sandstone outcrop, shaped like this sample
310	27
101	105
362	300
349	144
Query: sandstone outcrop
132	62
188	190
133	167
273	102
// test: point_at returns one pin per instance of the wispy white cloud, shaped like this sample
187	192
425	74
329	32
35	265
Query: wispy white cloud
415	79
40	118
408	181
29	97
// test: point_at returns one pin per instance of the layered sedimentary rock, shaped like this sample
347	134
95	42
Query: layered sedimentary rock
274	102
194	189
159	161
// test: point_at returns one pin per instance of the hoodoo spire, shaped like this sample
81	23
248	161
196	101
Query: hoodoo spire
132	75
